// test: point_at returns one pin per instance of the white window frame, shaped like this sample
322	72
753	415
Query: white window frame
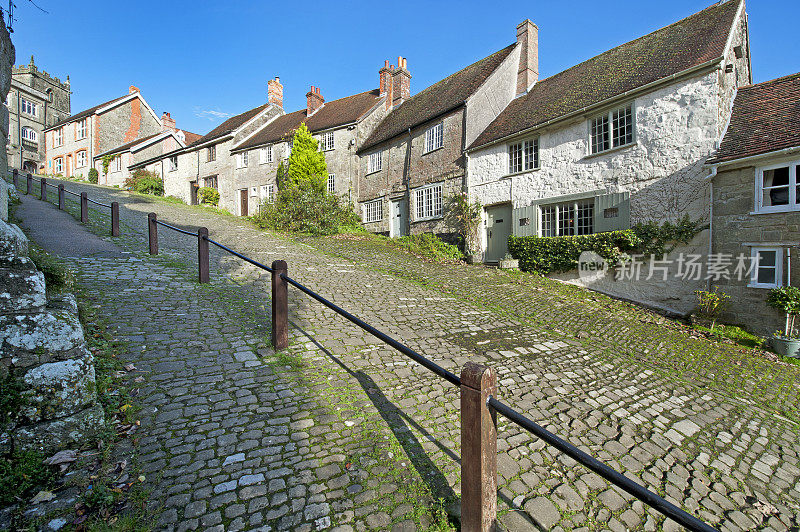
554	221
211	153
331	183
326	142
434	137
754	256
58	137
372	211
242	159
27	107
81	159
375	162
428	202
58	165
267	193
528	161
116	163
29	134
80	130
793	205
265	155
173	163
609	116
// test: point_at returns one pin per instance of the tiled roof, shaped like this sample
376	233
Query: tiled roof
687	43
334	113
229	125
765	118
437	99
191	137
85	112
129	145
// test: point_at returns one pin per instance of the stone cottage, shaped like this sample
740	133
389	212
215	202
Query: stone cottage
169	139
207	162
36	101
339	126
73	143
618	139
415	156
755	222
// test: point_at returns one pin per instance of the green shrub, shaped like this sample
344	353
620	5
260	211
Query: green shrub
711	304
430	247
93	175
145	182
21	473
786	299
57	276
306	211
11	399
561	253
208	196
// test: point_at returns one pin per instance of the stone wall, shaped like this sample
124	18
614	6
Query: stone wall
42	346
7	56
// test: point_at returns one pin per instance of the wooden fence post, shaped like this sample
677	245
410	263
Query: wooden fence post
478	450
29	184
43	189
84	208
114	218
152	232
15	175
61	196
280	306
202	255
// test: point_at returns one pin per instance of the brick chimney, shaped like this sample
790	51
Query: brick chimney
314	100
385	75
401	83
275	92
528	43
167	122
132	89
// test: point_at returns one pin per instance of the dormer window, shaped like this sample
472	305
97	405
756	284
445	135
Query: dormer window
434	137
611	130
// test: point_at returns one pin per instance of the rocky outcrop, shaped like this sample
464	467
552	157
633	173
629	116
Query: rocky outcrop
42	348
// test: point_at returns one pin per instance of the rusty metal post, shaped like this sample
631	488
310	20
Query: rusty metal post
114	218
29	184
478	450
84	208
43	189
152	231
15	175
61	196
280	306
202	255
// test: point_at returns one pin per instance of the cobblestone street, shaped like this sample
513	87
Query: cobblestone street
342	432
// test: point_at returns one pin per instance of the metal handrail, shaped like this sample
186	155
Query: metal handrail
178	229
618	479
98	203
243	257
71	192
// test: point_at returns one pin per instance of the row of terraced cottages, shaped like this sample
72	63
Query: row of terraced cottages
621	138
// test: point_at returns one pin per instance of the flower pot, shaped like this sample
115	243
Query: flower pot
789	347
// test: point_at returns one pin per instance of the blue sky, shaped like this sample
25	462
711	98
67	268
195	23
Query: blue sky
203	61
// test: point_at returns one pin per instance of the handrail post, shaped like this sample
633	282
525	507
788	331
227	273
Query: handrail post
15	175
152	233
478	450
280	306
29	184
61	196
43	189
202	255
114	218
84	208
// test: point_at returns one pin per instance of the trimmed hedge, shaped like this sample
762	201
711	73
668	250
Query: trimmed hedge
560	254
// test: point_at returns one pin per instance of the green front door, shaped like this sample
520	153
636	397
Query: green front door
498	229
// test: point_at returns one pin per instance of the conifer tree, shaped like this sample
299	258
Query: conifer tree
307	168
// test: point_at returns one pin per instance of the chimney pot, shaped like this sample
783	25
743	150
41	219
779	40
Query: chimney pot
275	92
401	83
314	100
167	122
132	89
528	43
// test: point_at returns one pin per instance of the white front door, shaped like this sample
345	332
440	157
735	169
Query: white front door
398	225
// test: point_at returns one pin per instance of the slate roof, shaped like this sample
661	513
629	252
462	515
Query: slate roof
228	125
687	43
333	114
765	118
128	145
437	99
84	113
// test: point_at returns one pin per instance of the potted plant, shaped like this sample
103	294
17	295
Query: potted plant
786	299
465	218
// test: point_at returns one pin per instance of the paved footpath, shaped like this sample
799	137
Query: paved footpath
342	431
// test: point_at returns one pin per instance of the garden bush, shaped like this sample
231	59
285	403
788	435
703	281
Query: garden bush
145	182
560	254
307	211
429	247
208	196
93	175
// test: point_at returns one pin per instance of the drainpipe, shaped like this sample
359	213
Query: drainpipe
710	179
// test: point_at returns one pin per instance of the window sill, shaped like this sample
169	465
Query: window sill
764	286
374	171
521	172
429	218
781	211
612	150
433	150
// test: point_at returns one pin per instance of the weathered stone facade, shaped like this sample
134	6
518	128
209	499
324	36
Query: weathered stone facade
36	101
43	348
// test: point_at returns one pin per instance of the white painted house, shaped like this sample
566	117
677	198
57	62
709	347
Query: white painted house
618	139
